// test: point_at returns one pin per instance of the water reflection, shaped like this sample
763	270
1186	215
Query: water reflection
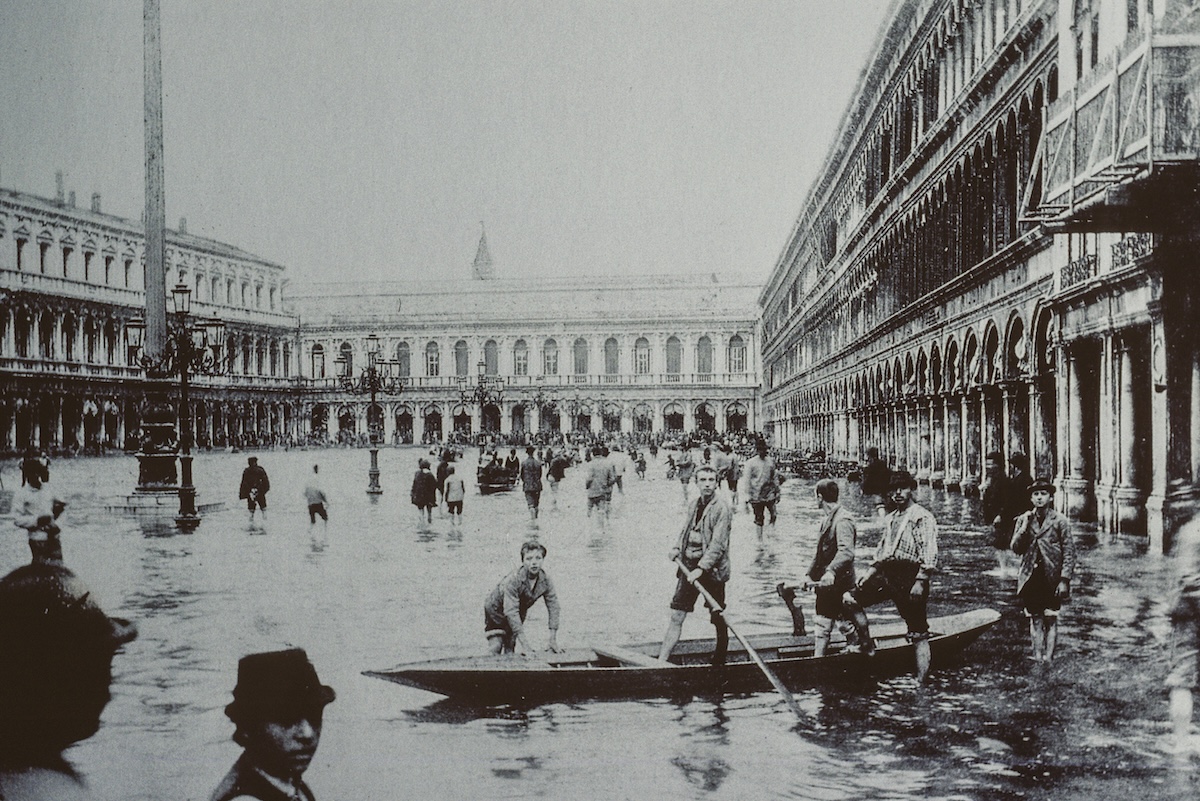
373	590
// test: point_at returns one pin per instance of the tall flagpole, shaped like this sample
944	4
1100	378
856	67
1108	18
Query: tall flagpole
156	211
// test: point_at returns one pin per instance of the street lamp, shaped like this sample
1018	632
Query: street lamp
546	400
488	390
380	375
191	348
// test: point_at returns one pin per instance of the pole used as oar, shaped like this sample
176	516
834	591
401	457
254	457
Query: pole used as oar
718	609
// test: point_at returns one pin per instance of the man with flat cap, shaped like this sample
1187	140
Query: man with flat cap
277	708
904	561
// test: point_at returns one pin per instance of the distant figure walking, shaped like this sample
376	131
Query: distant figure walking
254	488
531	482
314	494
454	490
762	487
424	492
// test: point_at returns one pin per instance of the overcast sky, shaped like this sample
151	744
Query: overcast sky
370	139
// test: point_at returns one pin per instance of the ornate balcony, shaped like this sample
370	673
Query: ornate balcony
1124	143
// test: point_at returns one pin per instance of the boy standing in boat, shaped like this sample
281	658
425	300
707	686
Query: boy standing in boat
833	565
703	546
904	560
505	608
1043	540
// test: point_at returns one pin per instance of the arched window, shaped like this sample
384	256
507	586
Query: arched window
737	354
581	356
462	358
612	356
674	358
520	358
432	360
403	360
550	357
346	354
491	358
215	290
641	356
704	356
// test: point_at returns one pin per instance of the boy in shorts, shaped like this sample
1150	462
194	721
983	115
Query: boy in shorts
1042	538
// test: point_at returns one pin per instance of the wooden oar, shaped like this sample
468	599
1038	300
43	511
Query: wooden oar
719	610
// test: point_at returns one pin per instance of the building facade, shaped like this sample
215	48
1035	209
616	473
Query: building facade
604	354
994	257
71	279
601	354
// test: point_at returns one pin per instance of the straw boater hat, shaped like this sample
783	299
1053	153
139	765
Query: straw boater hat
277	683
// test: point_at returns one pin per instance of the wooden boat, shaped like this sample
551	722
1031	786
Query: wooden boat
632	671
493	477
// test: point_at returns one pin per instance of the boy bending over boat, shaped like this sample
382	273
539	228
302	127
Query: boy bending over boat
703	546
505	609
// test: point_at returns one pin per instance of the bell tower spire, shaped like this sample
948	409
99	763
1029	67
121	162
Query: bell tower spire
482	269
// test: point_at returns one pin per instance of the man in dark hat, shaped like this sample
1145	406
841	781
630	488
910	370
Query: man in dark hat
255	485
57	648
277	708
904	560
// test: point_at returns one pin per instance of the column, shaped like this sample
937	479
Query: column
1074	484
1127	497
506	410
535	418
937	444
968	438
1107	456
924	414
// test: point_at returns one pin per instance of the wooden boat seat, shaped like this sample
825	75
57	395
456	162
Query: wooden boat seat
627	656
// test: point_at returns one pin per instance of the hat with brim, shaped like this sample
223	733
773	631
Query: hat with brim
1041	485
277	684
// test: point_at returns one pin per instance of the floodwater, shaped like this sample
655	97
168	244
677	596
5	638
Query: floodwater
377	589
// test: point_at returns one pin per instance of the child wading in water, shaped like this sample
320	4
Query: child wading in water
1042	537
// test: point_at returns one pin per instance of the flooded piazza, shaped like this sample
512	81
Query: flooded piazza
377	589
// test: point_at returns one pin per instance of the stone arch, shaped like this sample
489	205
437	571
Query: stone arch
992	365
1016	348
952	374
972	359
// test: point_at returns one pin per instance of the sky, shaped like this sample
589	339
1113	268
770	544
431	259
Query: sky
370	140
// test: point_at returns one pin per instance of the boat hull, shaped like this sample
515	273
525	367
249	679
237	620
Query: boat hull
583	673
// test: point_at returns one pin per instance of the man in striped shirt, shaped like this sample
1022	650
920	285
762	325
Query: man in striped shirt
904	560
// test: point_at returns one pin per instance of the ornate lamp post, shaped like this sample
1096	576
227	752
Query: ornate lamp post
191	348
378	376
546	400
487	391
